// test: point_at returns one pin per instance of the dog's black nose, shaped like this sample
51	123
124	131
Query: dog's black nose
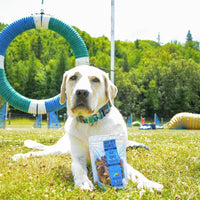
82	93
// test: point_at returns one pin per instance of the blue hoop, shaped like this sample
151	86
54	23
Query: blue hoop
13	30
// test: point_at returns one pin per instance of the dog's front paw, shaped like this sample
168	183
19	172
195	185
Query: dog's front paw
150	185
21	155
84	184
141	180
18	156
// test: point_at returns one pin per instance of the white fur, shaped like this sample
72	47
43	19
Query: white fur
75	141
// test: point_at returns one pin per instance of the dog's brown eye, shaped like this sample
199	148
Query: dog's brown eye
95	80
73	78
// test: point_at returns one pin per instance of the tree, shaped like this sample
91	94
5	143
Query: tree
2	26
137	44
127	91
151	97
32	66
37	47
62	65
102	60
189	36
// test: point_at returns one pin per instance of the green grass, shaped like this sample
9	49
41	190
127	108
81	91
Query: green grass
174	162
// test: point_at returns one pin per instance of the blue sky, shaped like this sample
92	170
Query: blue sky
134	19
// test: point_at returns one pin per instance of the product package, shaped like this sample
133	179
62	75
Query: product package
108	159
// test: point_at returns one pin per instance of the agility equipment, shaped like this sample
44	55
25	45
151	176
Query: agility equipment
185	121
53	121
39	21
142	120
136	123
145	127
157	122
129	121
38	122
3	114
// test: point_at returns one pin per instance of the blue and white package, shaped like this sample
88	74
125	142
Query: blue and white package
108	159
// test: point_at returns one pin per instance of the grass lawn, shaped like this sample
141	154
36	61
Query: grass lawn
174	162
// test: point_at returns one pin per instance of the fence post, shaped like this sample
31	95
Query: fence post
9	118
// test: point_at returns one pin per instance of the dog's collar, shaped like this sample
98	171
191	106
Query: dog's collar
94	118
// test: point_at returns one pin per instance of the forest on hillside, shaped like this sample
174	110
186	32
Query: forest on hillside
151	78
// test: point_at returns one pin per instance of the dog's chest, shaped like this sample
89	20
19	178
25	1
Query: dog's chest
84	131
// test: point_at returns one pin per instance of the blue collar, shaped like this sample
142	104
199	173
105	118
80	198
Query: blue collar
94	118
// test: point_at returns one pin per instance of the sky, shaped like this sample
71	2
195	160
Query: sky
134	19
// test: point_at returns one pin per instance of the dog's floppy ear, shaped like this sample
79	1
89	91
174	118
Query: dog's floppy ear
63	89
111	89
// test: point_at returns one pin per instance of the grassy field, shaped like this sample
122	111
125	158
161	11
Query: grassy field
174	162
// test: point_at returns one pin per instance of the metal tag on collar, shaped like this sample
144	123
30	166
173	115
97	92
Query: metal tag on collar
106	109
100	116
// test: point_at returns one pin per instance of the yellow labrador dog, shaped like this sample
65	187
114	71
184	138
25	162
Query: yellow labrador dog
91	112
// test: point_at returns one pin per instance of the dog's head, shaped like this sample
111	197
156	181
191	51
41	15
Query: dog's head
88	89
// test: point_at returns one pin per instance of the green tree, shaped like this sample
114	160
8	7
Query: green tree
2	26
40	83
102	60
151	98
137	43
61	66
127	92
189	36
37	47
32	65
